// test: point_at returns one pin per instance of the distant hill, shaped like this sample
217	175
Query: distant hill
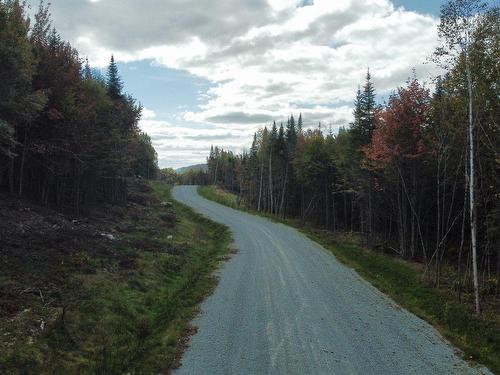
197	167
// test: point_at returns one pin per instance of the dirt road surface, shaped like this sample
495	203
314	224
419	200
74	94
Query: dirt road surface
285	306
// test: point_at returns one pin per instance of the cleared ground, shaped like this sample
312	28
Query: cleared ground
286	306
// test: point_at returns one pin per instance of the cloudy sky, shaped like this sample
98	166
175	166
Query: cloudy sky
213	71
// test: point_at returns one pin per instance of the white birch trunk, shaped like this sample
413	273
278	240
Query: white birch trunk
472	202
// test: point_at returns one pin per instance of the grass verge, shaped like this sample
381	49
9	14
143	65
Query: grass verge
477	337
128	309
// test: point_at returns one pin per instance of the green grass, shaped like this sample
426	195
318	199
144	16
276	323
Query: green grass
132	320
220	196
477	337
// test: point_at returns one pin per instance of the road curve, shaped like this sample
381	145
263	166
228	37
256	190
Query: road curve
285	306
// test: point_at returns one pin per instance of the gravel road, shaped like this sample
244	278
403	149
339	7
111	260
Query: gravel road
285	306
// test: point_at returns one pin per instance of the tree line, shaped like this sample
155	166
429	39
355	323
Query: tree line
69	136
417	176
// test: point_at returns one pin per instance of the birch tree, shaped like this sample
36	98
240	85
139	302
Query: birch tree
460	19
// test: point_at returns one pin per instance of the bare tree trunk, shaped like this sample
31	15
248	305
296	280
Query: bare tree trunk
333	214
216	170
327	206
271	183
402	246
370	211
414	216
352	213
345	210
23	160
11	175
472	202
260	185
498	274
438	213
302	203
282	204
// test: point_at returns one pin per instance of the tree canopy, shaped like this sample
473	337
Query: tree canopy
66	138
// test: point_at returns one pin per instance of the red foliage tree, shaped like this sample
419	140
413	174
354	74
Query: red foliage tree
400	127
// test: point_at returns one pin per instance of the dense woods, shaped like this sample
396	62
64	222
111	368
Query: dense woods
417	176
69	136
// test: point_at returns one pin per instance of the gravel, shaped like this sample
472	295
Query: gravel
285	306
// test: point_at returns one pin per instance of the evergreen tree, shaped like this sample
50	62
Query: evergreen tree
146	158
281	143
87	70
274	135
254	148
358	111
368	107
299	125
291	134
114	82
364	108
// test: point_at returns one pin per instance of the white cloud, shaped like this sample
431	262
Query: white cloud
148	114
179	146
266	58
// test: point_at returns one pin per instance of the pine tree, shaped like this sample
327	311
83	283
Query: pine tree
358	111
87	71
299	124
274	134
114	82
364	107
368	106
291	135
281	143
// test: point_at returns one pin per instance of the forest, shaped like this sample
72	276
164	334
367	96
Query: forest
102	269
417	176
69	135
